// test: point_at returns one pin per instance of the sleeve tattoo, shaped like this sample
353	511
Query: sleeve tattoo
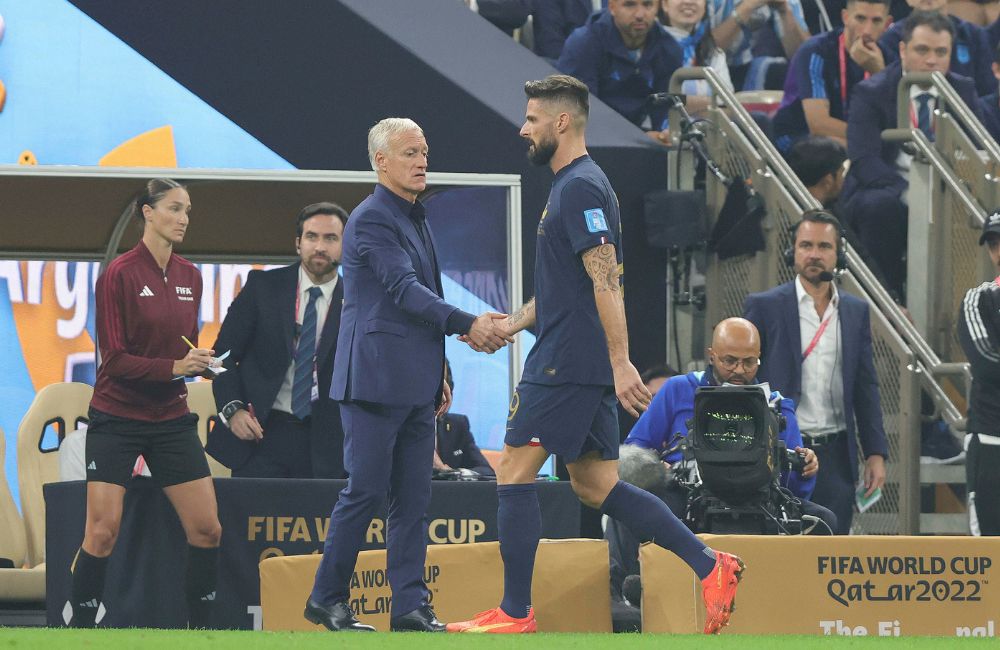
602	267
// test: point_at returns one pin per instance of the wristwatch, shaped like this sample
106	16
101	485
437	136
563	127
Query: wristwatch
229	410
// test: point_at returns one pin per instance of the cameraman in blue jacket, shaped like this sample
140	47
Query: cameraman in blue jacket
734	358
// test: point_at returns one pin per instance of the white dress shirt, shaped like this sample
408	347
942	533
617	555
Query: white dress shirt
283	401
821	402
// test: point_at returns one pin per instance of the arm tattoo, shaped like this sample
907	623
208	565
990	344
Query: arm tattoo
602	267
517	317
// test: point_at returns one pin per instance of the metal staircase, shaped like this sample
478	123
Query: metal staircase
909	356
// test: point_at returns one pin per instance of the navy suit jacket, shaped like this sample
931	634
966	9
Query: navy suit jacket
554	21
873	109
507	15
776	314
456	446
259	332
989	106
393	325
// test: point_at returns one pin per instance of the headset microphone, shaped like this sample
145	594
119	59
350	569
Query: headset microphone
825	276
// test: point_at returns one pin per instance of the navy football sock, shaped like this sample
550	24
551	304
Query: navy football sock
519	524
650	520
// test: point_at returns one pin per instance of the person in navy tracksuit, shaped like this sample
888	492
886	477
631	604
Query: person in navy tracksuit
623	57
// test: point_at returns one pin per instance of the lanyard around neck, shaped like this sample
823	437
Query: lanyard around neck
842	52
816	337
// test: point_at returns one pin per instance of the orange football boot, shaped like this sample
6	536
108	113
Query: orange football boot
496	621
718	590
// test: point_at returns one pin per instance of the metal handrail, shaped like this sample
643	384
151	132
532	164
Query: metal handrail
926	149
929	363
955	105
972	197
877	294
738	145
765	148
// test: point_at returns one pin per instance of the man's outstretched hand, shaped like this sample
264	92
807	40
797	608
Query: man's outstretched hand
487	333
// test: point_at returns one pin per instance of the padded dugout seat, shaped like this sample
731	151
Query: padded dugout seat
61	405
17	584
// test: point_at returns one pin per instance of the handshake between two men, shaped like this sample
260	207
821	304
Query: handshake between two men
489	332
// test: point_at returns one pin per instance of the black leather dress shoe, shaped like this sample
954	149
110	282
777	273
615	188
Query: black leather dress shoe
337	617
422	619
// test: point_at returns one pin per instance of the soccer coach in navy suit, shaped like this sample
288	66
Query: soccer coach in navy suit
268	429
389	378
817	350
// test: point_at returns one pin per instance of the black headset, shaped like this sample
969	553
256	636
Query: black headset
819	216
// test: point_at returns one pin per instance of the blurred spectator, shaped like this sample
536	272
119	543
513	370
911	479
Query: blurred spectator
656	376
825	70
507	15
623	57
825	15
819	164
977	12
971	54
875	188
758	36
990	104
993	34
555	20
653	378
685	21
822	15
454	445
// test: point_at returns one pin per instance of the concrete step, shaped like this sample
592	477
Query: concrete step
931	473
944	524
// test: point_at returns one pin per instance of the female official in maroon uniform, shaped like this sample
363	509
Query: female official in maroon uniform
147	302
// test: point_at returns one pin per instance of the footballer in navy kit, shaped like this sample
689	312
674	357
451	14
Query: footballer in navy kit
567	385
578	368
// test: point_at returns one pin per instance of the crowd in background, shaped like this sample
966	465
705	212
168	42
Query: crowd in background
834	64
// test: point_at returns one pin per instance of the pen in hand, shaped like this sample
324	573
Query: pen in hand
196	357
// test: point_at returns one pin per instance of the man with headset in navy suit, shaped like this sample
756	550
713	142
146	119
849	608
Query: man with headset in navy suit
389	378
817	350
281	333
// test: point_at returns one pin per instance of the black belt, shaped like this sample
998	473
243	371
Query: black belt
288	417
820	439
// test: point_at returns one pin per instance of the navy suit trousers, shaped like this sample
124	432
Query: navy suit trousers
879	217
283	452
387	450
834	483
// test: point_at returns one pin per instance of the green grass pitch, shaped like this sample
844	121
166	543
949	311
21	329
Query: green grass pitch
143	639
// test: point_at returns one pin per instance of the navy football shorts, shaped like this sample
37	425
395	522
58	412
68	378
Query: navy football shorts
171	448
569	420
